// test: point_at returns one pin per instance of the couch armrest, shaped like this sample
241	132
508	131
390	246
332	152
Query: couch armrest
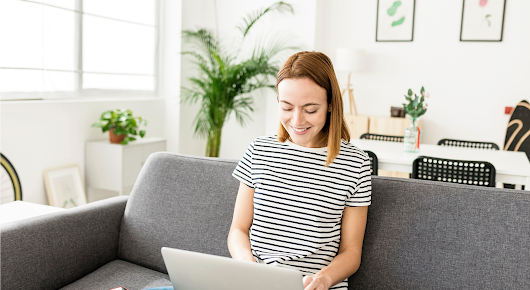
54	250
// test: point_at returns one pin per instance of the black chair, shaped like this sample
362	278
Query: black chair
468	144
374	163
11	188
378	137
478	173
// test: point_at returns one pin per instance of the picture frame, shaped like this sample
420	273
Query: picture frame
395	21
64	187
482	20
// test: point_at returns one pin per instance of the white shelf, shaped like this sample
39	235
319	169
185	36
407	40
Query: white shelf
115	167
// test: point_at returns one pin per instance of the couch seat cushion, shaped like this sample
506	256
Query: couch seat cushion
120	273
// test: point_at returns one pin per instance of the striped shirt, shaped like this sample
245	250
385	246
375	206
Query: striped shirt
298	202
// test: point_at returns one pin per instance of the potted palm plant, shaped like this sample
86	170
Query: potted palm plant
122	125
226	79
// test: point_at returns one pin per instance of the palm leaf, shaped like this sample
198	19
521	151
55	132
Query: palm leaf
204	40
252	18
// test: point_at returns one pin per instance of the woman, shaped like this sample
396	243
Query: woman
304	194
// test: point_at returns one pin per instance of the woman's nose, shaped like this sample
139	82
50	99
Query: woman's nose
298	118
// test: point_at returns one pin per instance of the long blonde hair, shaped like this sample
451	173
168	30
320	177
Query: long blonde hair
318	67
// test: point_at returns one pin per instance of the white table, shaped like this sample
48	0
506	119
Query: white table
18	210
511	167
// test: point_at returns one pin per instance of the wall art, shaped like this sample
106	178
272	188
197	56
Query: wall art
482	20
395	20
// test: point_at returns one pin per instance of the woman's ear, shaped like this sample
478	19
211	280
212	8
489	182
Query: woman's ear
329	108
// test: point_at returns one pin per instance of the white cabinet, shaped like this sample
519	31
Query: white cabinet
115	167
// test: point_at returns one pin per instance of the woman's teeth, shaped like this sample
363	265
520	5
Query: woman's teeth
300	130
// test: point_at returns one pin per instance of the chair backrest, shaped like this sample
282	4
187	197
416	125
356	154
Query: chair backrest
468	144
480	173
379	137
11	188
374	163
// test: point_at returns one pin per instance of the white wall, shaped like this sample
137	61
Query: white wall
300	28
169	69
470	82
40	135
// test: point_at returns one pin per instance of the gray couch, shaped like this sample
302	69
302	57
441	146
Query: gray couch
420	234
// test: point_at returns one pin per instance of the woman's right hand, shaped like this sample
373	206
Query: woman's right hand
238	237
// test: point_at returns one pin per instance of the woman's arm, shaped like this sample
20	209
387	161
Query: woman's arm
348	258
238	238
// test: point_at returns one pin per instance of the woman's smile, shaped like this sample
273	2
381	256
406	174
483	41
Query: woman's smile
300	131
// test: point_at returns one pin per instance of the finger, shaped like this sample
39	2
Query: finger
312	286
306	280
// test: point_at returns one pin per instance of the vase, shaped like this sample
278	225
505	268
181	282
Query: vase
412	136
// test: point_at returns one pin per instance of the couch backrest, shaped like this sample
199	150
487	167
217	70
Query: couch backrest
178	201
435	235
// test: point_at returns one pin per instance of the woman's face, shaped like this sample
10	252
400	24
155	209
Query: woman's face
303	109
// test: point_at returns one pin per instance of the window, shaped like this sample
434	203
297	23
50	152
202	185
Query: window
76	48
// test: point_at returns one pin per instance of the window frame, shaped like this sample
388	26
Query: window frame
90	93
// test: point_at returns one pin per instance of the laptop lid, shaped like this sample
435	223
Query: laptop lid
196	271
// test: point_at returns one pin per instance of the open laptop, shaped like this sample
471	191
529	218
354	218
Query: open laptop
195	271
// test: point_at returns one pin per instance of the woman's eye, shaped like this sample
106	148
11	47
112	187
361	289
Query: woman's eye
287	110
311	112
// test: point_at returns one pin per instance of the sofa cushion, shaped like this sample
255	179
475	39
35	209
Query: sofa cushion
121	273
435	235
178	201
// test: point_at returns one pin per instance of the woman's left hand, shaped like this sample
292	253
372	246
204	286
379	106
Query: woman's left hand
316	283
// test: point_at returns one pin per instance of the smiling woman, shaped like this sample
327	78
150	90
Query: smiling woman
308	75
303	195
303	111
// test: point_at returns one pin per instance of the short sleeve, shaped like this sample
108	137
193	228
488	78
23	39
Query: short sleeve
362	192
243	171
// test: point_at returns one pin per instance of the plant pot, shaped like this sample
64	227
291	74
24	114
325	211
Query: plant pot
115	139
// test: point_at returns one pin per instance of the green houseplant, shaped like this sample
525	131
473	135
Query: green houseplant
121	124
415	107
226	78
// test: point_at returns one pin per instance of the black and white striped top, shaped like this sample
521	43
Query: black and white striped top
298	202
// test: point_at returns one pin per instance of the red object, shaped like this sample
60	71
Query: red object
418	139
508	110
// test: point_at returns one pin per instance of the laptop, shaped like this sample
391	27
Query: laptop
196	271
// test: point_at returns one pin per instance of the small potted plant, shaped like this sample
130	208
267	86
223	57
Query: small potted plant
415	107
123	127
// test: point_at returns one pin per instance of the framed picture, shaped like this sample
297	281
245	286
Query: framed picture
482	20
395	20
64	187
